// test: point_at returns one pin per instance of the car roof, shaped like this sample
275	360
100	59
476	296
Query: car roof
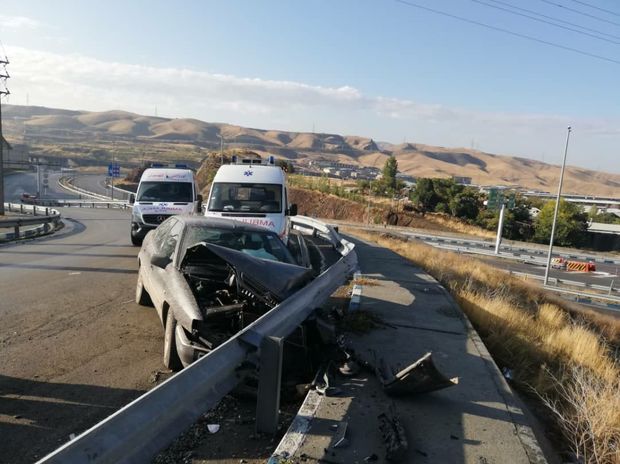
250	173
220	223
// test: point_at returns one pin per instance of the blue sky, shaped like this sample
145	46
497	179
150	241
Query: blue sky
382	68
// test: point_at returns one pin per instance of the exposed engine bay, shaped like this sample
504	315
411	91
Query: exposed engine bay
233	289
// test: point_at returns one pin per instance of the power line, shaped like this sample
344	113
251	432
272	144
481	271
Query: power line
506	31
514	7
597	8
546	22
598	18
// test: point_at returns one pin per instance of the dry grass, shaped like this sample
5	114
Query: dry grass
564	355
459	226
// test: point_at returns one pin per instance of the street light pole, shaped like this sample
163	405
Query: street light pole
4	75
557	208
221	148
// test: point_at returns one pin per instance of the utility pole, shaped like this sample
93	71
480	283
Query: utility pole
221	149
557	207
500	228
4	75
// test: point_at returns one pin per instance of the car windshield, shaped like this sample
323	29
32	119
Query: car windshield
264	245
246	198
165	191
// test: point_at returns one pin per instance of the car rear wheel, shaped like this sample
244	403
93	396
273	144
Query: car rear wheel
171	356
142	296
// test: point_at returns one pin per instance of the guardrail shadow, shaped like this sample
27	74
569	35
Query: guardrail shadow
30	411
475	420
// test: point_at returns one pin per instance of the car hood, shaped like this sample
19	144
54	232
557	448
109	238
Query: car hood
279	279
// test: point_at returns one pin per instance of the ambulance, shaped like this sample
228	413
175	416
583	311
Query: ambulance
162	192
252	191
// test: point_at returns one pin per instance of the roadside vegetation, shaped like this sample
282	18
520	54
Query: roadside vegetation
568	358
527	219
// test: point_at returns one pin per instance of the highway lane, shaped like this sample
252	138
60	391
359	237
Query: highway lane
96	183
586	277
26	182
513	254
74	346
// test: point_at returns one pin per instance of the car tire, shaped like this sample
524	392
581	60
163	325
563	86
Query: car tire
171	356
136	241
142	296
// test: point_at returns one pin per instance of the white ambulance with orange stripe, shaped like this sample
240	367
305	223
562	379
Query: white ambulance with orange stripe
253	191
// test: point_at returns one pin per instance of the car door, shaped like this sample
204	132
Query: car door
150	248
166	247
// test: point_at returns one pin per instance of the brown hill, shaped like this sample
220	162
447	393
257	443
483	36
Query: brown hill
64	126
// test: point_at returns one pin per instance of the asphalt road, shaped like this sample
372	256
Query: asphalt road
26	182
96	183
606	273
75	347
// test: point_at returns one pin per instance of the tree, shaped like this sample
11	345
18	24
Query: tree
424	194
286	165
465	205
390	169
571	227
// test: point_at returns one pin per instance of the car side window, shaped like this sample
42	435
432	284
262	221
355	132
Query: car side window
161	232
169	243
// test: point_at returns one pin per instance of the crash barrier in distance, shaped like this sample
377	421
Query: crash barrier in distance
138	431
483	244
81	203
579	266
46	219
67	184
555	282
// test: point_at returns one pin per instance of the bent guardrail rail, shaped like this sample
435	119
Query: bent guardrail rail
48	218
139	430
316	227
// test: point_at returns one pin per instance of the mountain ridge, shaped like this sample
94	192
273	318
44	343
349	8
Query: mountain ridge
416	159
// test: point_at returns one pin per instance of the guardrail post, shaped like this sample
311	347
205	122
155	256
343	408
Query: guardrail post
16	230
611	287
34	210
269	379
21	208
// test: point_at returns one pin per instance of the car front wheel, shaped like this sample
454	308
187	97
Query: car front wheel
171	356
142	296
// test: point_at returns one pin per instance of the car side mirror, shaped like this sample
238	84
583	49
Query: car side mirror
132	198
160	261
199	203
292	211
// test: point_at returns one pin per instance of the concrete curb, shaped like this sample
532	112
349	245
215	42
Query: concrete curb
524	432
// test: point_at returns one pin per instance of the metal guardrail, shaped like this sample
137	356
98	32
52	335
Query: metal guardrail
315	227
571	283
65	182
48	218
81	203
509	248
142	428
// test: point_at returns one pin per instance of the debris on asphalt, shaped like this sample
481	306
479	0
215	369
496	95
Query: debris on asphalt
213	428
507	373
394	437
350	367
420	377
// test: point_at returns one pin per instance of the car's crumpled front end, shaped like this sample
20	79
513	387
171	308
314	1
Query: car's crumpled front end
232	290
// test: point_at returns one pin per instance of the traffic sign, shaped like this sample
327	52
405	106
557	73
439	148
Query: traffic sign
511	201
496	198
114	170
